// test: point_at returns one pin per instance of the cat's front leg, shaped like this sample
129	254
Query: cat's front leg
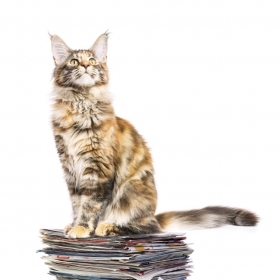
92	204
75	200
86	218
74	196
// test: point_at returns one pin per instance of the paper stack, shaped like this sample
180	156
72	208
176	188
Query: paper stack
146	256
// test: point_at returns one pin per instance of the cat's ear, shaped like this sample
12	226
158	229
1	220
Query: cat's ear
59	49
100	48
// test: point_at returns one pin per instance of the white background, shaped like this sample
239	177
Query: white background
198	79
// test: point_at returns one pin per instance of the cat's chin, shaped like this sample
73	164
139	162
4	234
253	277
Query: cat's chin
85	80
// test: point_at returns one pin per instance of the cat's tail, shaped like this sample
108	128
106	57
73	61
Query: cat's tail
208	217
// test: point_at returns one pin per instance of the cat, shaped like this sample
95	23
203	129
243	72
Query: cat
108	167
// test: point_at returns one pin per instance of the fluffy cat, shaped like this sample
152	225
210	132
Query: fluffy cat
107	165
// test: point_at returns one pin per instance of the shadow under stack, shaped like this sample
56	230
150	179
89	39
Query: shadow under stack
146	256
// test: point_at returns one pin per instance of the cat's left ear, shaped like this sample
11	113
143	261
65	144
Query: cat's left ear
100	48
59	49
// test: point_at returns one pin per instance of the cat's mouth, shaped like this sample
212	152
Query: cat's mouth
85	80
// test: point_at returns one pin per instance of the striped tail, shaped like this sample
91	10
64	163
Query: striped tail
208	217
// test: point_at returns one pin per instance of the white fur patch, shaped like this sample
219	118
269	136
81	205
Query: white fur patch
209	221
117	218
85	99
85	80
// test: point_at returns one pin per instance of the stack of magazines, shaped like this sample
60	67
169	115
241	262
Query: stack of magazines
163	256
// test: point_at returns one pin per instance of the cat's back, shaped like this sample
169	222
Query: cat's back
133	155
129	138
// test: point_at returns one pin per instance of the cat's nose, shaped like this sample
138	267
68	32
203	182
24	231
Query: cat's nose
85	63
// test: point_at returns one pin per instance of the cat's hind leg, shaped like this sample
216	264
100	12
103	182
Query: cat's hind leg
137	226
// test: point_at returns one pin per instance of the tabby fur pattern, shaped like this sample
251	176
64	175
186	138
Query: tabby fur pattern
107	165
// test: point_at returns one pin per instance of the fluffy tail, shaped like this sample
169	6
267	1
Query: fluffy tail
208	217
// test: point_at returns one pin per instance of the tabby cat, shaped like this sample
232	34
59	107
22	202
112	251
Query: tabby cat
107	165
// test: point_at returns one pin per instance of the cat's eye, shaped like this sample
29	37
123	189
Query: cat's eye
74	62
92	61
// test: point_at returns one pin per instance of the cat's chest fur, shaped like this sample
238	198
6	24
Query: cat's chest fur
85	128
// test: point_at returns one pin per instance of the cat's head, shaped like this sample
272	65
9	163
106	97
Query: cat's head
80	68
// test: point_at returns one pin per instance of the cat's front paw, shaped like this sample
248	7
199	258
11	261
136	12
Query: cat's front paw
105	229
67	229
78	232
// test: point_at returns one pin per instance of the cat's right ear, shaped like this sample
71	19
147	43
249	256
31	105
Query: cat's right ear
59	49
100	47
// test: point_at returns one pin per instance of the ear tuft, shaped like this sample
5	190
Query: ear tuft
107	33
100	47
59	49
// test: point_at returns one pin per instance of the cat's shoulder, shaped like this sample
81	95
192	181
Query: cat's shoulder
125	125
127	130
